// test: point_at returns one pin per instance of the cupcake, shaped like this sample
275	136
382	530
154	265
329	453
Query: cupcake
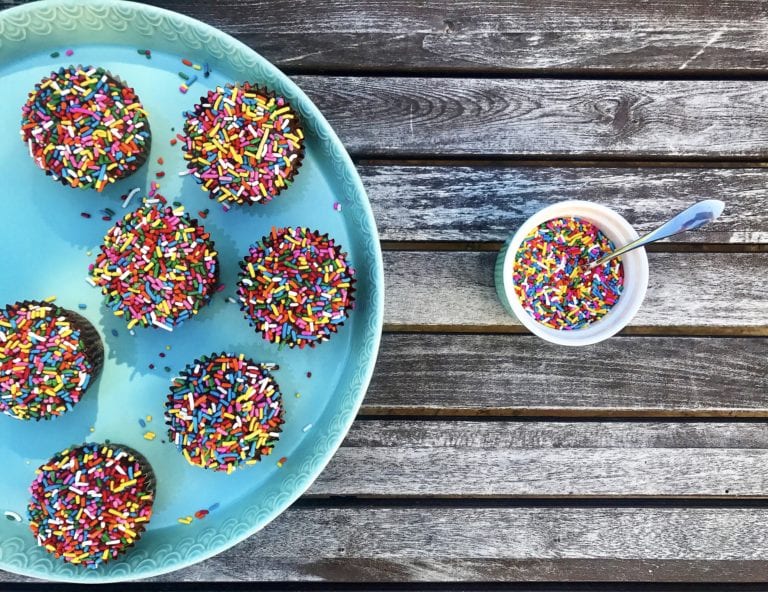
243	144
90	503
157	267
85	128
224	411
48	358
296	287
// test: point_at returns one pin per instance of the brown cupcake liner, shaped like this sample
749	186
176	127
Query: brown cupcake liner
146	467
150	483
350	306
267	368
141	157
94	348
300	154
195	223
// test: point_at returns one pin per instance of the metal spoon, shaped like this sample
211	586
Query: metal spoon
691	218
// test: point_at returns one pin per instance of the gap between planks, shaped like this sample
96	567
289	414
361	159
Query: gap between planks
501	413
631	331
659	247
311	586
432	161
481	73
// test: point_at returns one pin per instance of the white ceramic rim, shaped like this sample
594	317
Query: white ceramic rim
615	227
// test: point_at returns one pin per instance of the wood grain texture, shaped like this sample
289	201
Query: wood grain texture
318	586
396	435
545	117
436	543
456	289
496	35
488	203
435	374
497	544
548	459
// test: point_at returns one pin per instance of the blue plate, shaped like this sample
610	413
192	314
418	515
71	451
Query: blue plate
47	246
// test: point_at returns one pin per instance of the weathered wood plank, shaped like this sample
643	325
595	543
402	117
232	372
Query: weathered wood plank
522	375
548	459
456	289
441	543
395	435
488	203
496	544
496	35
424	543
545	117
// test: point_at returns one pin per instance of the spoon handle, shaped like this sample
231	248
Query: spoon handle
691	218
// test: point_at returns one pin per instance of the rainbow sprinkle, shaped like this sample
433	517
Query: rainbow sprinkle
12	516
552	277
90	503
296	286
46	363
244	144
84	128
224	411
157	267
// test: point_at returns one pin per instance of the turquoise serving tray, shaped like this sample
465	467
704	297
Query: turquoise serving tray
47	245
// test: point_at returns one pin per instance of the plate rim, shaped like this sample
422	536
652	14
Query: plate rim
377	288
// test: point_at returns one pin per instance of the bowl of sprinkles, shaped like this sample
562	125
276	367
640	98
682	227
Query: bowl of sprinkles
545	276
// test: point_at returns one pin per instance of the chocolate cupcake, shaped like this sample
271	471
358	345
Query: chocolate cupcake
157	267
85	128
296	287
48	358
92	502
244	144
224	411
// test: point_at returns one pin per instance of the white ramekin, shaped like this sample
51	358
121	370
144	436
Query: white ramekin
635	265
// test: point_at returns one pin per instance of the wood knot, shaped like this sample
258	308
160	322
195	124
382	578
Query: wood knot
616	112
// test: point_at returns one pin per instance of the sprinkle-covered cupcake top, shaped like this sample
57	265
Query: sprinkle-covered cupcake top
44	362
84	128
553	278
296	286
157	267
244	144
90	503
224	411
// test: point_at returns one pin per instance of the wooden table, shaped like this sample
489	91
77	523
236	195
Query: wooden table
482	453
